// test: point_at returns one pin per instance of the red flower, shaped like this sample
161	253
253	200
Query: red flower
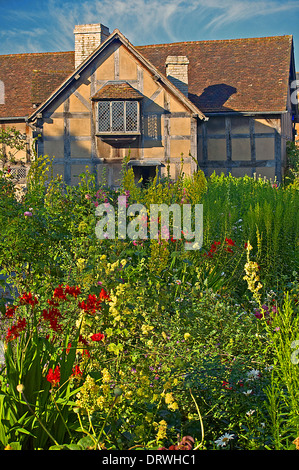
61	293
230	242
77	372
54	376
104	296
52	302
54	325
14	331
226	385
213	249
83	340
51	315
58	293
97	337
28	299
74	291
10	311
92	304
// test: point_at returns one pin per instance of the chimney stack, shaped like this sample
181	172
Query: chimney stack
177	72
87	38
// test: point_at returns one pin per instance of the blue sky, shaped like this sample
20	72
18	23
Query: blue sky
47	25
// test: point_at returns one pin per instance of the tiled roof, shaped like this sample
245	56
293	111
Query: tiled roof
44	83
232	75
117	91
20	74
227	75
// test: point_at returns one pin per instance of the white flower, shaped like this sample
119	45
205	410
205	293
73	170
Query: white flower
253	374
223	440
249	392
250	412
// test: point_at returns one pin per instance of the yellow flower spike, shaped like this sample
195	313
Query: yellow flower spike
162	430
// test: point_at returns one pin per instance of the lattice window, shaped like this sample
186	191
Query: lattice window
152	126
118	117
104	116
19	173
131	116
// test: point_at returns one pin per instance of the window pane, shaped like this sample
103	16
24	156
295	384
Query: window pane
104	116
131	116
118	116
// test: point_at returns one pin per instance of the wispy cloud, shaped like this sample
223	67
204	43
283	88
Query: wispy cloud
50	25
142	21
232	11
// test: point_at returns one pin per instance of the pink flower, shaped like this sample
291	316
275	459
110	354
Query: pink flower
96	203
87	196
28	214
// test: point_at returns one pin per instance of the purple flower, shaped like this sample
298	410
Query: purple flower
28	214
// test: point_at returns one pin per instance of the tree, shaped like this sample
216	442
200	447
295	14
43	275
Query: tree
11	142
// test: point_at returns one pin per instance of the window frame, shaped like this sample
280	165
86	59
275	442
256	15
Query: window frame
124	132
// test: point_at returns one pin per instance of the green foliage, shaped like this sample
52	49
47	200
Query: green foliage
167	341
292	171
11	142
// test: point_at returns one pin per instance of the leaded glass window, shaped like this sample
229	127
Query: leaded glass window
118	117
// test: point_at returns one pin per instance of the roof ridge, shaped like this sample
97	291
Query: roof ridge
36	53
216	40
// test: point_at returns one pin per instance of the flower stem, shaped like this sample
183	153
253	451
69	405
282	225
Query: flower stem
38	419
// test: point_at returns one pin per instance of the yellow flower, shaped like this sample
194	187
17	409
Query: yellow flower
106	375
187	336
173	406
168	398
296	442
81	262
170	402
146	329
162	430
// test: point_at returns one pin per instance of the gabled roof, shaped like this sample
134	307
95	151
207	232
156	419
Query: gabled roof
30	78
117	90
244	75
118	36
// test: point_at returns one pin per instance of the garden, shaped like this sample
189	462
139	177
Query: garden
140	344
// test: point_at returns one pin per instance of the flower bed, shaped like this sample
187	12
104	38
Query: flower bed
140	344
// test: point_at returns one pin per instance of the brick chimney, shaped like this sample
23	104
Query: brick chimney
87	38
177	72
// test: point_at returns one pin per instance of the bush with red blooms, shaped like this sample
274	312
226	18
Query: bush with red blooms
51	315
